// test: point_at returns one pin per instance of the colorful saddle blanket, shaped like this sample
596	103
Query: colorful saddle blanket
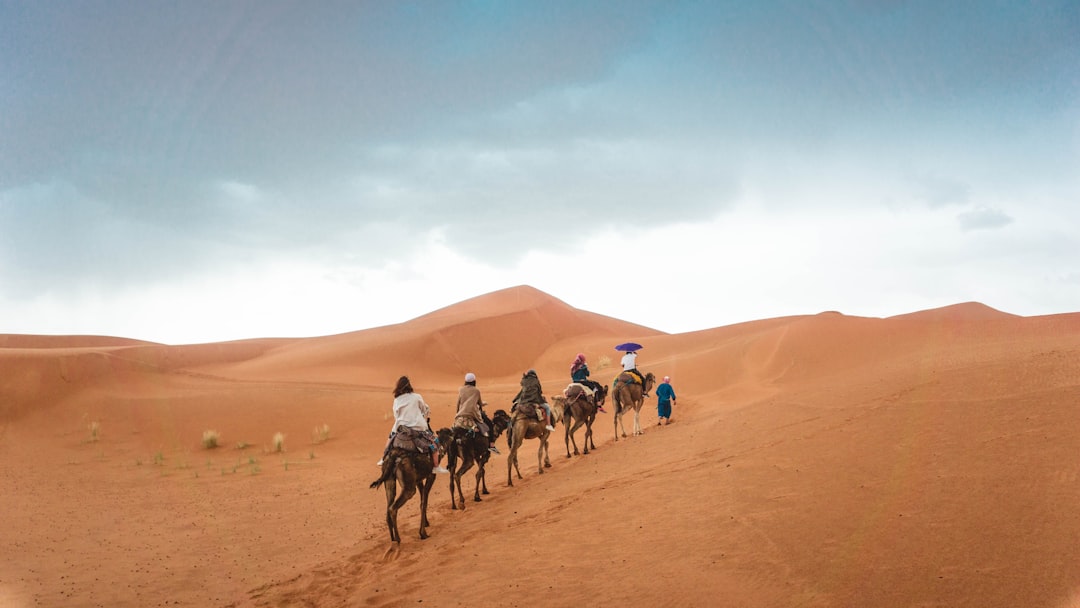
410	439
628	378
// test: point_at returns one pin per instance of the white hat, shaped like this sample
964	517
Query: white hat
470	377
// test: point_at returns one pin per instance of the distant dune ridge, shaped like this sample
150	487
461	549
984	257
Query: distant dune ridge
923	459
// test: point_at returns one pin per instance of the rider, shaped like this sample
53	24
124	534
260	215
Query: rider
470	413
532	392
411	411
629	364
579	372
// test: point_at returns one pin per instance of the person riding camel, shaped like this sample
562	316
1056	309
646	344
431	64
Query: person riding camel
629	364
532	392
411	411
470	413
579	372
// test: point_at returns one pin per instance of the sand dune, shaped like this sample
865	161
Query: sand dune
927	459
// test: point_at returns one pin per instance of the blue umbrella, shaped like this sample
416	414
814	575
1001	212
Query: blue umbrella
628	346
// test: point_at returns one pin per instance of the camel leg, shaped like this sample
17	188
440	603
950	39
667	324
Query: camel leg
455	478
455	489
391	512
466	464
577	425
481	475
570	438
425	491
407	491
547	453
510	469
512	465
479	483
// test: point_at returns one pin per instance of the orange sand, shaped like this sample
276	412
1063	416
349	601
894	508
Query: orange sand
928	459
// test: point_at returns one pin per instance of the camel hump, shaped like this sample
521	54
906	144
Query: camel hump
574	389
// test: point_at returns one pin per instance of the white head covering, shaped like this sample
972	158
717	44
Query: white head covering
470	377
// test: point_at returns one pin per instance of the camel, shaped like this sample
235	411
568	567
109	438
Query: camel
524	425
470	448
579	408
626	395
412	470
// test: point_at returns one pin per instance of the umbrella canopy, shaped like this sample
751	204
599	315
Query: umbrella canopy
628	346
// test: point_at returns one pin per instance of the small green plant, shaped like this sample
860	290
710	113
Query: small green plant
159	458
279	442
210	439
321	433
95	431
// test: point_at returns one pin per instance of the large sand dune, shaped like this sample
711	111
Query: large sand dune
928	459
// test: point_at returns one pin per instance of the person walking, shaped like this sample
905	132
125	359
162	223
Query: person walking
665	400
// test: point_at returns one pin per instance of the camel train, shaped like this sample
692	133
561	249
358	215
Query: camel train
409	467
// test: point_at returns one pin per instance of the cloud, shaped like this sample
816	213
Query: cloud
146	146
983	218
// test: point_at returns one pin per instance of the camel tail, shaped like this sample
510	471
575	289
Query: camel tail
388	472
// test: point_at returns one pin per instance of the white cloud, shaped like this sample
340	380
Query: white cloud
982	217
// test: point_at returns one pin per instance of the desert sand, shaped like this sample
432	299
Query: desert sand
929	459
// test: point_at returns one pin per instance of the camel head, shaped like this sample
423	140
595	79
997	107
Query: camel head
444	436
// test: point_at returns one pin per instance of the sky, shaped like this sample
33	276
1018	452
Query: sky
187	172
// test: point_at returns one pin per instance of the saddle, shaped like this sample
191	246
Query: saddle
410	439
629	378
472	427
529	410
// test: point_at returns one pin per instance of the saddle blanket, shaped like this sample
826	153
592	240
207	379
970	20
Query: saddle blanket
410	439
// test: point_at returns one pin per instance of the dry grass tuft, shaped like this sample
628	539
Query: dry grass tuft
279	442
321	433
95	431
211	439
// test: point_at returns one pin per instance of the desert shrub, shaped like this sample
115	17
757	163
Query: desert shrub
95	431
321	433
279	442
211	439
603	361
